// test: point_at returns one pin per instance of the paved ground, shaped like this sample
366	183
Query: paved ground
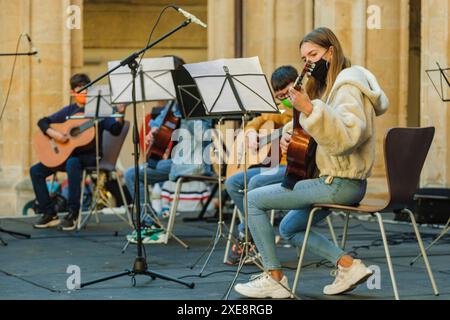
36	268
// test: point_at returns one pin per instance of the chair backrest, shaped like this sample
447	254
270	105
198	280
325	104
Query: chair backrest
405	151
111	146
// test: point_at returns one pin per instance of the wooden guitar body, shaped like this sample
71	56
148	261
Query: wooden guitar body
300	156
259	157
52	153
163	137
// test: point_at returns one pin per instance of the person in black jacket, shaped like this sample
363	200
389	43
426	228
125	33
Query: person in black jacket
80	158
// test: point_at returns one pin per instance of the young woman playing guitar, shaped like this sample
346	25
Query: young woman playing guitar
338	109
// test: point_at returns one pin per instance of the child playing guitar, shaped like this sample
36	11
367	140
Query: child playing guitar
80	158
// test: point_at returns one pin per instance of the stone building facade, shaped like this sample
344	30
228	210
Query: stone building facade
396	39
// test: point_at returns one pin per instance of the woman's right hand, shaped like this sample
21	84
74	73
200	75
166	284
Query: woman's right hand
149	138
284	143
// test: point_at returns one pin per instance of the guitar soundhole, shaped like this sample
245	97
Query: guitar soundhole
74	132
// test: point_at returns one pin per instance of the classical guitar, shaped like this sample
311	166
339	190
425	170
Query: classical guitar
260	157
301	152
52	153
162	138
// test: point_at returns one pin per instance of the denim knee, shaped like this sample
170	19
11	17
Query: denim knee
232	184
252	199
286	231
73	163
129	174
34	171
252	185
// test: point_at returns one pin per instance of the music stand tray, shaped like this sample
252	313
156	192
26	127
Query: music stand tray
154	81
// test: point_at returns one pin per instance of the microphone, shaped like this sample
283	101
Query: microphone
33	48
190	16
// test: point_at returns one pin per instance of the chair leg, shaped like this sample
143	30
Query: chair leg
345	231
173	210
81	200
388	255
302	252
272	217
423	251
333	234
441	235
230	235
124	199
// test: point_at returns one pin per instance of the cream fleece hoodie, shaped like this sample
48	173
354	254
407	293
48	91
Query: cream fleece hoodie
343	127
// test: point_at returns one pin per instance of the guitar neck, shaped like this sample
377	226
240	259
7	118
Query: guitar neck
88	124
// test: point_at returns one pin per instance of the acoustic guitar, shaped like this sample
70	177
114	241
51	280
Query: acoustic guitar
162	138
260	157
52	153
301	152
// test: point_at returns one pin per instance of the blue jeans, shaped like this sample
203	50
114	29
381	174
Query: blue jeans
293	226
74	168
256	178
154	175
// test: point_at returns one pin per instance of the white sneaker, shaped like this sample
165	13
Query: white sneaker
348	279
264	286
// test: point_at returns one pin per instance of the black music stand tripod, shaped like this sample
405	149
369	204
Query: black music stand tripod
193	108
241	93
140	266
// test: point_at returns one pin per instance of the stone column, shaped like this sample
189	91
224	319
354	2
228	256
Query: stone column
434	112
77	38
220	29
273	30
15	18
384	51
38	89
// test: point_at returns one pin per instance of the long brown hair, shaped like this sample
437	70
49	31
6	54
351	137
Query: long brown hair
326	38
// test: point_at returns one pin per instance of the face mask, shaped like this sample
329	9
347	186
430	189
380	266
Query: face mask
287	103
320	71
80	98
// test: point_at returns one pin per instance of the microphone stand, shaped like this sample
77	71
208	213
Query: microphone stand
140	266
33	53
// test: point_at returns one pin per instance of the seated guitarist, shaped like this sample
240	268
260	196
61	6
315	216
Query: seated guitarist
282	79
80	158
165	169
338	109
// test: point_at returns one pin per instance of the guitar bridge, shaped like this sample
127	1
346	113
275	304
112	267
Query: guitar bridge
54	146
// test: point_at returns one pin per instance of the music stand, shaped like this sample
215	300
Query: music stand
442	83
154	83
192	107
140	266
234	87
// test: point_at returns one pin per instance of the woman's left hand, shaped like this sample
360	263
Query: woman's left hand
300	101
